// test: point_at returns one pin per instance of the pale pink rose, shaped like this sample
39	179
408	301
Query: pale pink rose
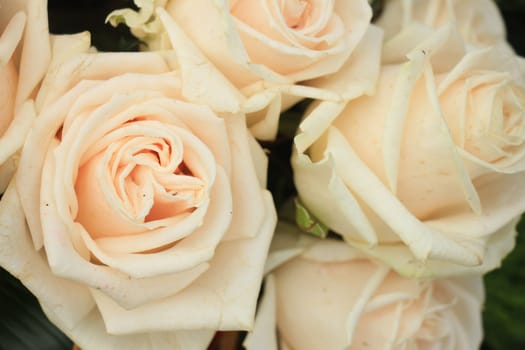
275	41
479	21
328	296
268	47
144	199
427	174
24	56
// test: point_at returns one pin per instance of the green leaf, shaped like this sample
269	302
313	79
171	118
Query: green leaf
307	222
23	325
503	317
511	4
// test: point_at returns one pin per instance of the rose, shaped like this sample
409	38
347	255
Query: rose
266	47
147	198
427	174
250	40
328	296
23	29
479	21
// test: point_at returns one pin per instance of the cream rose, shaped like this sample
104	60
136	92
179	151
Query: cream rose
24	37
479	21
252	40
265	47
427	174
328	296
145	201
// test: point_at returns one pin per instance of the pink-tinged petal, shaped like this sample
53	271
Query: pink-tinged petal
223	298
354	302
187	251
10	38
36	44
13	138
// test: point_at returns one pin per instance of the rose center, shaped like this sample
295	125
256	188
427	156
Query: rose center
152	185
501	132
147	173
296	12
513	113
486	115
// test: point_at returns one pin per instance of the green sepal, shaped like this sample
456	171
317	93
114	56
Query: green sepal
307	222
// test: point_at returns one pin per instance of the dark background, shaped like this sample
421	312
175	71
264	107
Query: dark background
23	326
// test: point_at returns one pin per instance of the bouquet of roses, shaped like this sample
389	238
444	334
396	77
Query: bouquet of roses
332	174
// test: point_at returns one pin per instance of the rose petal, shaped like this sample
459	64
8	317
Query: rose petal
8	82
91	333
18	256
226	50
11	37
479	21
423	241
13	138
263	335
360	72
319	297
223	298
260	160
249	216
95	66
201	78
36	44
346	217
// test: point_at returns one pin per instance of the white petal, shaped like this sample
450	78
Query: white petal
90	333
70	301
263	335
202	81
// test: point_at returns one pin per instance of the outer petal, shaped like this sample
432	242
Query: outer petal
360	72
263	335
479	21
36	44
96	66
24	35
245	184
11	36
202	79
18	256
225	49
12	140
90	333
335	204
223	298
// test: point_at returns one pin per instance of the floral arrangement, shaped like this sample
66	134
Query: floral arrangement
266	175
